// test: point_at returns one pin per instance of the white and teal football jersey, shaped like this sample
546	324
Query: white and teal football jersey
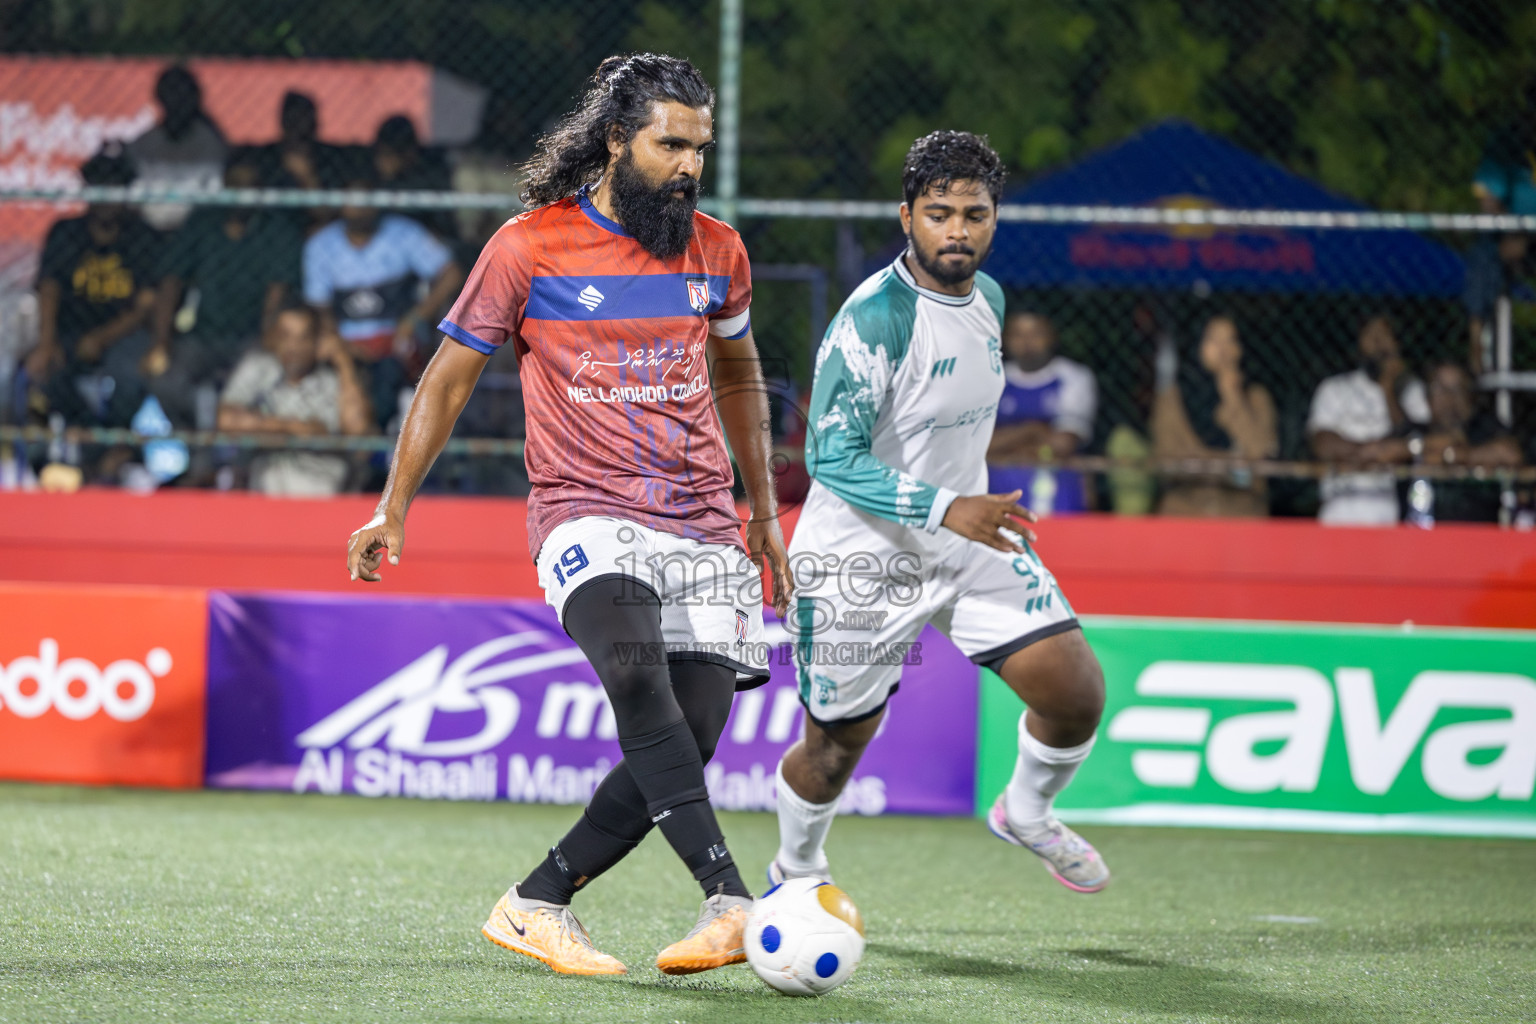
902	409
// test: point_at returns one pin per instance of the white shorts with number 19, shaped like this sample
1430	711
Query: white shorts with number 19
711	595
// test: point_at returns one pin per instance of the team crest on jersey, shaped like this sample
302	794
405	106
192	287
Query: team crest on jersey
698	293
995	354
741	627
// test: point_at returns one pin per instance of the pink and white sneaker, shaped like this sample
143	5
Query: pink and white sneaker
1069	857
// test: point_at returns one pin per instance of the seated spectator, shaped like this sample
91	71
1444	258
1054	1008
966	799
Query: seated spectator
1045	413
1501	265
1359	418
184	150
303	383
1212	411
242	263
1498	266
94	294
401	162
1127	411
1505	181
298	159
364	273
1460	434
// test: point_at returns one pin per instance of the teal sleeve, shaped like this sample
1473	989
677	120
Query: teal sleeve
860	356
993	293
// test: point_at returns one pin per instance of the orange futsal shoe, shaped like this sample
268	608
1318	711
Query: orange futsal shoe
717	940
547	932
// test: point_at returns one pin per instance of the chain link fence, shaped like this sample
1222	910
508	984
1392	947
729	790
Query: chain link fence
1172	162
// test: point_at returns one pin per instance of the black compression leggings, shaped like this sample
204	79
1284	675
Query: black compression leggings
669	721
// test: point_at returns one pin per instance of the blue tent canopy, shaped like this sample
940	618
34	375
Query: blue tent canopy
1175	164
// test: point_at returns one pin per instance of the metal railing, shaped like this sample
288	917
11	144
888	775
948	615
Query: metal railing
513	447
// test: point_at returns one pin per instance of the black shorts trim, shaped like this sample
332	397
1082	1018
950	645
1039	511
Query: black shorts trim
602	578
755	677
851	719
994	658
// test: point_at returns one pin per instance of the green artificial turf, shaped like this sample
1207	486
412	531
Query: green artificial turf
148	906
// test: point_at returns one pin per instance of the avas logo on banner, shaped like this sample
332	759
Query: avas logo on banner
1295	725
1284	750
78	688
102	685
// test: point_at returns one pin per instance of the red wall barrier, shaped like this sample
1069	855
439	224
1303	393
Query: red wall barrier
1275	569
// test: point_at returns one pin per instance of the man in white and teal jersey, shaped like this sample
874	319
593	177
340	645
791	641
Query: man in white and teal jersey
898	530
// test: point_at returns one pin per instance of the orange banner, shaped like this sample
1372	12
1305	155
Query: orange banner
103	685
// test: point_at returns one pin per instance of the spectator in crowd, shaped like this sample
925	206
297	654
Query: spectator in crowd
401	162
299	160
1501	265
1153	363
1460	434
1046	412
1505	181
365	274
1498	266
1211	410
1359	418
240	263
184	150
94	293
303	383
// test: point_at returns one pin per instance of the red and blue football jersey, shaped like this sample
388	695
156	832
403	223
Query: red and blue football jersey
611	343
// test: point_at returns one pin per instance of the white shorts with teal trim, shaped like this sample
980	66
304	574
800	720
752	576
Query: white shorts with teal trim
856	623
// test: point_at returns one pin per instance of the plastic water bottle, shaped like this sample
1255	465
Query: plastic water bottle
165	460
1165	363
10	469
55	437
1421	504
1042	492
61	450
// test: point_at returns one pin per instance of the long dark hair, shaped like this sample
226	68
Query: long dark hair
620	94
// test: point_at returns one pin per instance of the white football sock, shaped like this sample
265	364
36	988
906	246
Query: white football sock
803	828
1041	773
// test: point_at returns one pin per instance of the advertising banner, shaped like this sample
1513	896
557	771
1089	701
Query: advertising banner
490	700
1332	728
102	685
55	112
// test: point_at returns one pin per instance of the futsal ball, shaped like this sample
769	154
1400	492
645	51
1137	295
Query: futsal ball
804	937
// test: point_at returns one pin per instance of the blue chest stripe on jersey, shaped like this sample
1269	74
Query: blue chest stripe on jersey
621	297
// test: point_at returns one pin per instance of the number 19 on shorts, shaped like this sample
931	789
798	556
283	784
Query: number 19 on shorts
571	562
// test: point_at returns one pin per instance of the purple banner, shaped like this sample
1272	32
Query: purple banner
490	700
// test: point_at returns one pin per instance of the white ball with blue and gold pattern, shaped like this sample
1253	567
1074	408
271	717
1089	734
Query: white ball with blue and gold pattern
804	937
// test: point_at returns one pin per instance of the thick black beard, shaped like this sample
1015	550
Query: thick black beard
937	271
660	222
1372	367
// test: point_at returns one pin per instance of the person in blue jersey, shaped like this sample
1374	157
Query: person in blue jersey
1046	413
365	272
899	531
